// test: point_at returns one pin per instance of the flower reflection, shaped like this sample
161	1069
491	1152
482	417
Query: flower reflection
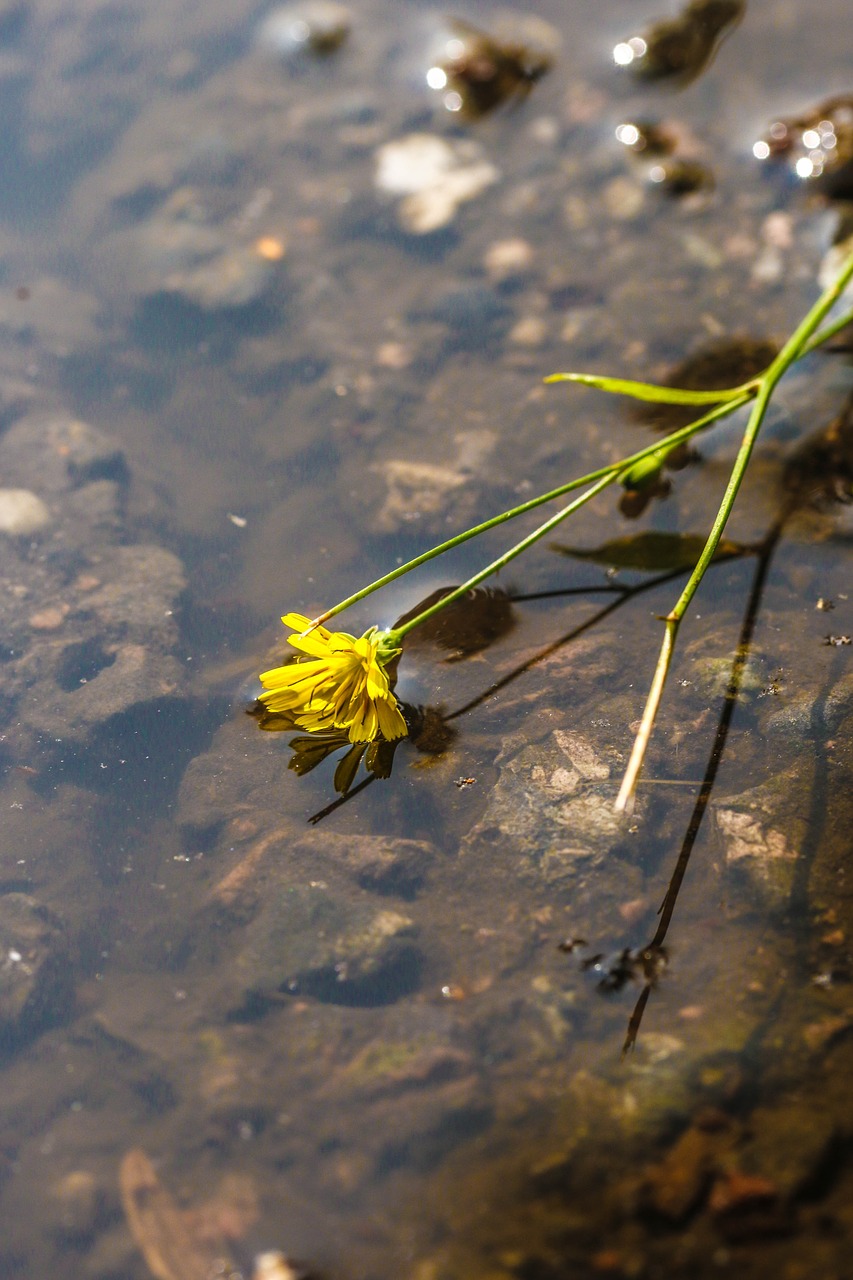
426	728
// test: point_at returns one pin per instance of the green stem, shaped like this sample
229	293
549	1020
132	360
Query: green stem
840	322
613	471
399	632
736	401
793	349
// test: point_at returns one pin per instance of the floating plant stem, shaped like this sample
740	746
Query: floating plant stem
767	382
345	683
502	560
616	470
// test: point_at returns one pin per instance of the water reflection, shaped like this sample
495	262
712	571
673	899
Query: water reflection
818	473
817	145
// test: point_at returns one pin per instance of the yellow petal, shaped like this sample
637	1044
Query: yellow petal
391	722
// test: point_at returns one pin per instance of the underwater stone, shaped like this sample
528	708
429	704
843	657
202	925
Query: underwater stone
553	802
435	176
22	513
508	261
60	452
789	1143
180	252
395	493
382	864
469	310
808	714
34	970
77	1200
307	940
766	855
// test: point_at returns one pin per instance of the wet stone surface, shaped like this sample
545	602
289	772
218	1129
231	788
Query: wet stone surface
553	804
89	623
304	940
35	980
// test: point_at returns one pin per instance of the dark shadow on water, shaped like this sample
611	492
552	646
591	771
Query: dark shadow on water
398	978
133	766
165	322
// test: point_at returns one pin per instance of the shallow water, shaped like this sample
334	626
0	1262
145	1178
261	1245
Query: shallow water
243	380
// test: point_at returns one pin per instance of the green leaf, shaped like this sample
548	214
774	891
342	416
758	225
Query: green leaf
649	552
647	390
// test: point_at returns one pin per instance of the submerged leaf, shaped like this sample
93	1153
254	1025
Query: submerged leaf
649	552
160	1230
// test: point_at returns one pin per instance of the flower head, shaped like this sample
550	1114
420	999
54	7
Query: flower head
340	683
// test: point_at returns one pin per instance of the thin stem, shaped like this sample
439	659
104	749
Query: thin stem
841	322
700	806
399	632
791	351
612	471
737	398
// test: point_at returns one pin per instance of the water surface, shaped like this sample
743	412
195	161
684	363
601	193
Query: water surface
244	381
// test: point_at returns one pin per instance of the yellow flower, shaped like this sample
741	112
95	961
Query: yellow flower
341	683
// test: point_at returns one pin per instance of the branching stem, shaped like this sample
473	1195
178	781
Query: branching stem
790	352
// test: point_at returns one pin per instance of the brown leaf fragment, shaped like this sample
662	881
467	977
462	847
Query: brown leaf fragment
158	1226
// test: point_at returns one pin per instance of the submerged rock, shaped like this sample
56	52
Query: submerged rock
22	513
763	831
306	939
553	802
78	1200
181	252
89	626
434	176
35	984
392	494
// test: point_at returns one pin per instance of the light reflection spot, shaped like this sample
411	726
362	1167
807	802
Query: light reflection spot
811	139
453	101
299	30
804	167
436	78
623	55
628	134
760	150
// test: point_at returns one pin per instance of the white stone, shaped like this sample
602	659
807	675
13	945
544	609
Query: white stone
434	176
22	513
